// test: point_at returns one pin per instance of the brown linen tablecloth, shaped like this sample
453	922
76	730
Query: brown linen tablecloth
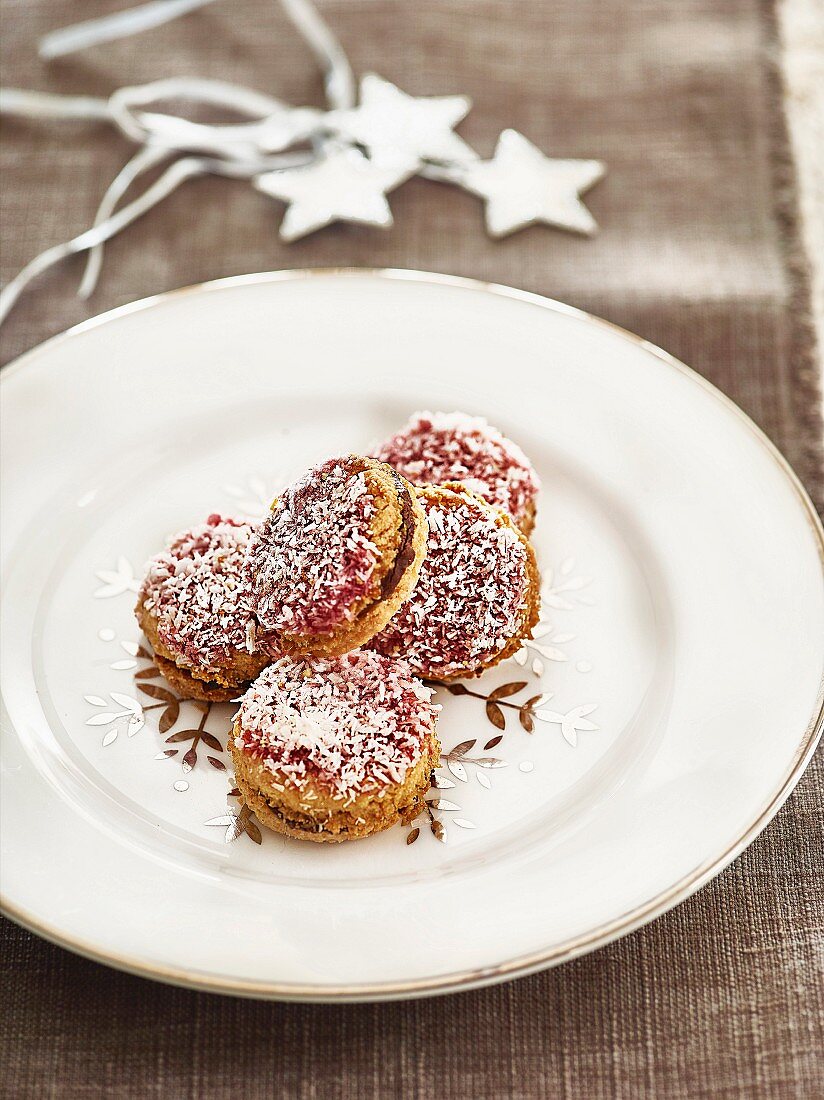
698	252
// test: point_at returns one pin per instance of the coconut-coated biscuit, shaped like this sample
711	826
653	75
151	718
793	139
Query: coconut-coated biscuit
478	594
335	749
193	610
336	557
437	448
323	820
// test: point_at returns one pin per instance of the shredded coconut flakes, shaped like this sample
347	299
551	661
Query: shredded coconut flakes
434	448
471	594
195	590
311	560
354	723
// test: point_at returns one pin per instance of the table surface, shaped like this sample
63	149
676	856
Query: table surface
699	252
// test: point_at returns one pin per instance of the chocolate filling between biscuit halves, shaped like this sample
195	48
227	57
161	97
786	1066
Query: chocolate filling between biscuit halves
406	551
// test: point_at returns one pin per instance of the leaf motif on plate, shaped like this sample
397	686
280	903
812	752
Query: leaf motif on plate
457	769
505	690
116	581
155	692
135	725
574	723
580	712
182	735
169	716
495	715
237	824
549	716
127	701
538	700
556	591
104	719
552	653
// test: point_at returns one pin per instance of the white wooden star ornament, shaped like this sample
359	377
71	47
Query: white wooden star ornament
330	164
521	186
341	185
420	126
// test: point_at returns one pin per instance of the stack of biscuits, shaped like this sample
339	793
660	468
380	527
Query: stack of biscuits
371	579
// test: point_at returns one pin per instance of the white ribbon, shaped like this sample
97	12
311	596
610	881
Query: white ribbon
242	150
182	170
121	24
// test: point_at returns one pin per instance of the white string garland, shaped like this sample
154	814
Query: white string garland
328	165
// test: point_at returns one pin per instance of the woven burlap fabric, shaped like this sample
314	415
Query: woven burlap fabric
698	253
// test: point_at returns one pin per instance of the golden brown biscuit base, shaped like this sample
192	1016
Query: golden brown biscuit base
189	687
399	531
213	687
322	819
527	520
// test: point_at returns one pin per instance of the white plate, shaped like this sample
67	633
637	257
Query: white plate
683	641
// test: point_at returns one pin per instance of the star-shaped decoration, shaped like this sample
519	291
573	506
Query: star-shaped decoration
522	186
341	185
418	126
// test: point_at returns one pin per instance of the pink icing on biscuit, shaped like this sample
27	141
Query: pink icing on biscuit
435	448
471	594
196	592
353	723
311	559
